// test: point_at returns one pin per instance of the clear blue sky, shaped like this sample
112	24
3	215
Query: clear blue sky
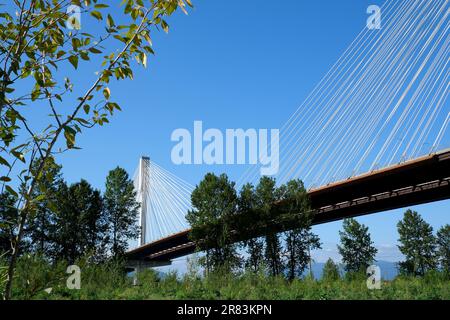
231	64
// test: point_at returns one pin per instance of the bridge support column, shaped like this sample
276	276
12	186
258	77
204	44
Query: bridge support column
144	165
138	266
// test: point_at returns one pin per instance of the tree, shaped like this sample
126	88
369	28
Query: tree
40	226
8	213
79	225
36	49
214	204
299	241
356	247
330	271
417	244
255	245
121	211
266	195
443	244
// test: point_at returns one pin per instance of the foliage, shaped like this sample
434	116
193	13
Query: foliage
3	271
36	50
356	247
40	227
255	245
330	271
8	214
121	211
266	195
417	244
72	221
34	274
37	278
214	203
108	281
80	225
255	218
299	241
443	245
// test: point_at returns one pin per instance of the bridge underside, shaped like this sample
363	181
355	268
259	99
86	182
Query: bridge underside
423	180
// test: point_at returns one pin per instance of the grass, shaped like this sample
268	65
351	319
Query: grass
107	281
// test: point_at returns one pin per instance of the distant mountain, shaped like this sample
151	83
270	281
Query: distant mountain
388	269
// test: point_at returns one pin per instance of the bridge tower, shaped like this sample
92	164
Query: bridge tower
143	180
144	176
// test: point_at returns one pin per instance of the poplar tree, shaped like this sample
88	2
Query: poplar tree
214	204
266	195
356	247
443	243
254	245
417	243
301	240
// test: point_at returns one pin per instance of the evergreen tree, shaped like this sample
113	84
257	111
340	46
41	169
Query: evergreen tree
121	211
214	203
266	195
356	247
417	244
330	271
443	243
79	225
255	245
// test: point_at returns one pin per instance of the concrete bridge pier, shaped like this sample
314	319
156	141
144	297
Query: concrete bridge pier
138	266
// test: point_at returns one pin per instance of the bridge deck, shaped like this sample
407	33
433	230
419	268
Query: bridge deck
422	180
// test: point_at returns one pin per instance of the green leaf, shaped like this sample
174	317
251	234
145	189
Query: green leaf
18	155
40	197
165	26
60	54
11	191
82	121
5	179
69	134
4	162
97	15
94	50
109	21
74	61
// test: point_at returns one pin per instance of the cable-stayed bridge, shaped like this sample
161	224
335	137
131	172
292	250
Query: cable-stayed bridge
371	136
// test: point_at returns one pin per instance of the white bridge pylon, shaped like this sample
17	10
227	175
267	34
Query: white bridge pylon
165	200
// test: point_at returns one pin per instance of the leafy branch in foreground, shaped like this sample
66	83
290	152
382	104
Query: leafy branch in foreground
36	50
